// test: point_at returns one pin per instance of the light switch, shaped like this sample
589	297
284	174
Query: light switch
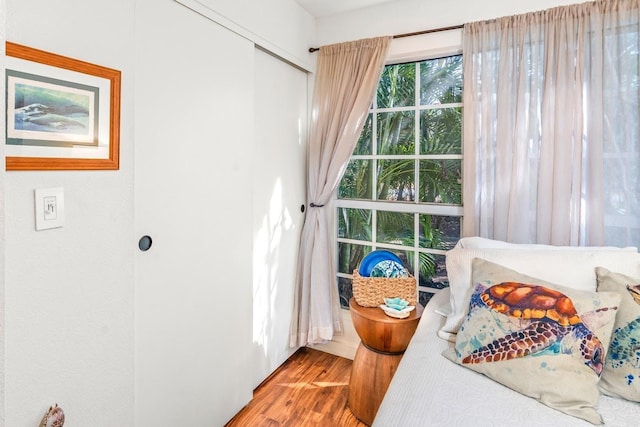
49	208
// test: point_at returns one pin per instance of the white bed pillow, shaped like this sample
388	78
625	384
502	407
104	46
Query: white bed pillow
570	267
484	243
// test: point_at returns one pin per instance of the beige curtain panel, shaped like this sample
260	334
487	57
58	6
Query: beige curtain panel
551	126
346	80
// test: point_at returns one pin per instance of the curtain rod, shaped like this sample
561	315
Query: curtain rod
416	33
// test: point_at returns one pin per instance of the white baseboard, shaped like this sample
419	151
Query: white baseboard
344	345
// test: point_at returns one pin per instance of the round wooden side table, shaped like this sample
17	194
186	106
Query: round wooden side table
383	342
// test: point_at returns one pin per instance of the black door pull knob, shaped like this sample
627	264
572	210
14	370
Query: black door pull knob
145	243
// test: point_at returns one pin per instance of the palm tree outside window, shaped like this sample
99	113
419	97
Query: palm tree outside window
402	190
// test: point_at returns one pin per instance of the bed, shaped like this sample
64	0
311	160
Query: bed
430	390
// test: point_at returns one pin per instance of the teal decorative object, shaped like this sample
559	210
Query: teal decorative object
389	268
396	307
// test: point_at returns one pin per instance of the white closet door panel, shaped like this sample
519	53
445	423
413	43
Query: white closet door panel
278	193
193	177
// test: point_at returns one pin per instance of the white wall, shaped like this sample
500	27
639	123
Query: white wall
407	16
281	27
68	334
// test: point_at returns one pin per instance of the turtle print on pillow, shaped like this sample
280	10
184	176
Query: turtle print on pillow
543	340
621	374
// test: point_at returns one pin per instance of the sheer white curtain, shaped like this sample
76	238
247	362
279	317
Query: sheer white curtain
551	126
346	79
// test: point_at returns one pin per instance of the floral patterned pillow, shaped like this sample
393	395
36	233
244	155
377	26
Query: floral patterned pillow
621	373
543	340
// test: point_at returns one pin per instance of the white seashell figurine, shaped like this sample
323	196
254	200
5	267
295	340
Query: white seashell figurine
53	418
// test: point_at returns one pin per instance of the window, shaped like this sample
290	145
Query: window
621	140
556	134
402	190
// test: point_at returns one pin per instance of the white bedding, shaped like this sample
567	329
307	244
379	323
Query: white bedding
429	390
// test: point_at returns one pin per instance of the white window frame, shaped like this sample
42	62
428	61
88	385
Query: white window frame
409	49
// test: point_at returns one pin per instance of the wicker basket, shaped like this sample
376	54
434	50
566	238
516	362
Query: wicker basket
371	291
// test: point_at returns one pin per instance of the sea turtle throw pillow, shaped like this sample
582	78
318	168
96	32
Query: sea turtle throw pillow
621	373
540	339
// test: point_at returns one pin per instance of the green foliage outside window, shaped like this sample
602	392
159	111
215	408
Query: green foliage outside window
409	152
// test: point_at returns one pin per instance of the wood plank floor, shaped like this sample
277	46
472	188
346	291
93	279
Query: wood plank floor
309	389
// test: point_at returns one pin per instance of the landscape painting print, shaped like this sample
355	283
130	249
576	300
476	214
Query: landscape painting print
61	113
42	111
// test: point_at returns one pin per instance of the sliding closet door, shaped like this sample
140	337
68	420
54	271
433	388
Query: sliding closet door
193	177
278	193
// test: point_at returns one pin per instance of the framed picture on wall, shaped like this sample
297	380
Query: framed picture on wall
61	113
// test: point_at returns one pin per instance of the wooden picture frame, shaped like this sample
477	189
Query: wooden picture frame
61	113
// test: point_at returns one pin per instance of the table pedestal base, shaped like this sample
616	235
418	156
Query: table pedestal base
370	377
383	342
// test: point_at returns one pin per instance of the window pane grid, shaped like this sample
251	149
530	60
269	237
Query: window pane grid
425	208
410	157
407	157
374	110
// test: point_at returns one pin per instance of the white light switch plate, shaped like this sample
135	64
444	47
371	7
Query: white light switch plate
49	208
